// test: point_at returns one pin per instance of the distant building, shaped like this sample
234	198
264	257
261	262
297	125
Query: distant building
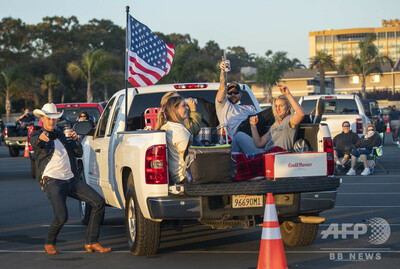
341	42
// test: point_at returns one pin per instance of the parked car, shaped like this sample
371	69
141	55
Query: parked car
338	108
15	138
70	116
127	164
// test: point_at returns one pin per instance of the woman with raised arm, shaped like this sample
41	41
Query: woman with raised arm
281	133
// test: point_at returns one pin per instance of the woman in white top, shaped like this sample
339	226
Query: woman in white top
178	137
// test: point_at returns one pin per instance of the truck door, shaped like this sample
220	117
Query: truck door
98	166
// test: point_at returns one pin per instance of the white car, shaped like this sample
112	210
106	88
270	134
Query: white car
339	108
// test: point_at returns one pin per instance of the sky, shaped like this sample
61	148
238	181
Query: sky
256	25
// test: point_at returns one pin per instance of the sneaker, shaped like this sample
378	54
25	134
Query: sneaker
366	172
351	172
338	163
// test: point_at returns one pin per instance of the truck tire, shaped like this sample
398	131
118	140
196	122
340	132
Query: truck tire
298	234
85	209
33	168
14	151
143	234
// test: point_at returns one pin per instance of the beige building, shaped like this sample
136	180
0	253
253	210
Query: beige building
341	42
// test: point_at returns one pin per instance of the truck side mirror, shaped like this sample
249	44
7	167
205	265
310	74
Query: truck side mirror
83	128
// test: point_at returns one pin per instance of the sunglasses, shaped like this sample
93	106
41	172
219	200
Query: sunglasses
370	129
346	125
233	92
82	116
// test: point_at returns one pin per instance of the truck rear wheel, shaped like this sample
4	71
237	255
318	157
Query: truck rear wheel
143	234
14	151
298	234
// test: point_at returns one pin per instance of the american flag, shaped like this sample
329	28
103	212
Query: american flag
149	58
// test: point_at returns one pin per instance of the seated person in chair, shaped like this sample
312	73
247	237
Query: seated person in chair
364	147
343	144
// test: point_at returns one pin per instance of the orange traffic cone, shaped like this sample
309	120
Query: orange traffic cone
272	254
388	127
26	153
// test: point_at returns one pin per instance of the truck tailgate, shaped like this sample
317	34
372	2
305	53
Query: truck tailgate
279	186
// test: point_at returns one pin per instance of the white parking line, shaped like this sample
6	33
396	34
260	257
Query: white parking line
383	250
367	206
374	193
83	226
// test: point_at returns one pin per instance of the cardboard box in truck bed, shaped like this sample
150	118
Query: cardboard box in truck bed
286	165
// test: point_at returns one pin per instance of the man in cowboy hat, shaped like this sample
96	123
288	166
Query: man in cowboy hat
58	174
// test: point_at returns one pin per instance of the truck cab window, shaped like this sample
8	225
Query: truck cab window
101	129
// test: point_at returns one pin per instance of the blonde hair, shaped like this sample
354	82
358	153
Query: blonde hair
161	120
171	109
288	111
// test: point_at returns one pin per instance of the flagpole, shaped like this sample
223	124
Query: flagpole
126	66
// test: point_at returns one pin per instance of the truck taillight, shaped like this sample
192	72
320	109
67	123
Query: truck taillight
156	165
5	132
328	148
359	126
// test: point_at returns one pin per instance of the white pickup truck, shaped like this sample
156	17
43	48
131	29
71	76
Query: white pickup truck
127	164
337	109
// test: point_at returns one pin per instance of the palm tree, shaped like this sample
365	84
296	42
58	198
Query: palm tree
367	62
92	67
270	69
323	62
10	82
48	83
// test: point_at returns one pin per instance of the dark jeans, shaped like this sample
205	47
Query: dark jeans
57	192
358	152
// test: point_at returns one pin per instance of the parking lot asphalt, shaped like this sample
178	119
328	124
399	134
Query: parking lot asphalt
25	214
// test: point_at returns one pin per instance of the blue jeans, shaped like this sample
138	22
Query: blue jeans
358	152
57	192
243	143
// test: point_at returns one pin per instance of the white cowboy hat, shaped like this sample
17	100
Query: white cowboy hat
49	110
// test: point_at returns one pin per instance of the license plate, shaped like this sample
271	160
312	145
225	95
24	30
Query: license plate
245	201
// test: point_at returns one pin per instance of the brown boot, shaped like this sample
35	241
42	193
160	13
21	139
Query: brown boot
96	247
50	249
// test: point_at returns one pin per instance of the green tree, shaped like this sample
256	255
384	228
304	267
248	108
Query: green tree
270	69
10	83
15	46
91	68
365	63
323	62
49	82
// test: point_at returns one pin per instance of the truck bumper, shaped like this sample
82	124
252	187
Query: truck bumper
171	208
213	208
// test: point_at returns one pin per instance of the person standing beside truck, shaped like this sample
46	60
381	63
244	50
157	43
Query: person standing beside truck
57	173
23	121
394	119
178	137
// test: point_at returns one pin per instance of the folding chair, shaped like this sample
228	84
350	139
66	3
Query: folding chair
374	157
150	117
377	152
